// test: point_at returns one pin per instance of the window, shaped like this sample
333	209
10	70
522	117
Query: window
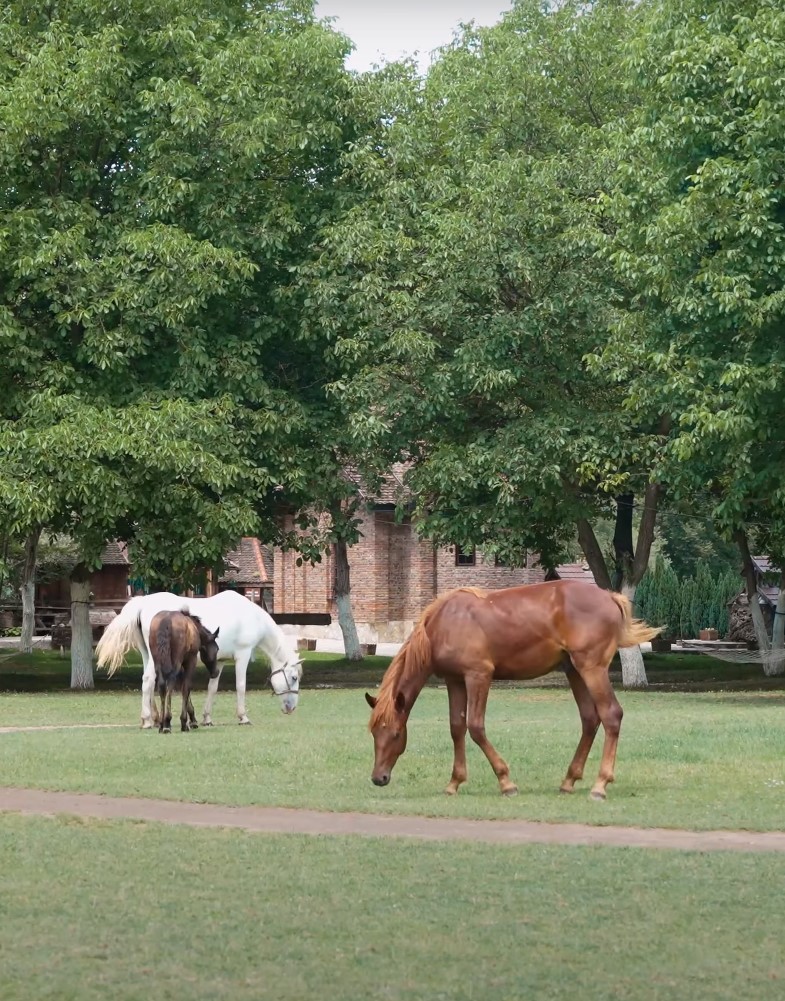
465	557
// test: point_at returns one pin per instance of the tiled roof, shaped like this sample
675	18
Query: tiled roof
392	490
246	564
574	571
115	554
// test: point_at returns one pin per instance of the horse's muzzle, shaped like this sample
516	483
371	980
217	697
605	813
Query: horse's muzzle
381	780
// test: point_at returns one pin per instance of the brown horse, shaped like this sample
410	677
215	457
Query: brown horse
176	638
470	637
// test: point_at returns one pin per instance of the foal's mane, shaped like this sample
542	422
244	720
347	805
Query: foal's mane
413	658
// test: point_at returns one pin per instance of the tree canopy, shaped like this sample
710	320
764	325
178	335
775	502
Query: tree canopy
165	167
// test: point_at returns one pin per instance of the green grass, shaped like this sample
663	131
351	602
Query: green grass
46	670
699	760
92	910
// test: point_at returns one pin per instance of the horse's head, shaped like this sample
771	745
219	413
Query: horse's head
208	649
285	681
389	738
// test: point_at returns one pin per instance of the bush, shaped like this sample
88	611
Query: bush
684	607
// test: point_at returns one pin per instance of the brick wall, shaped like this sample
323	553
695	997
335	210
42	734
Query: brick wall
394	575
301	589
483	574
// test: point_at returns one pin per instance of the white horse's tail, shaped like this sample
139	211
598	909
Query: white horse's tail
122	633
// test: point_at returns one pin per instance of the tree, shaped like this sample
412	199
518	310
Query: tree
165	170
698	233
462	289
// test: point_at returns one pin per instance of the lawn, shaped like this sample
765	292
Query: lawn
695	760
91	910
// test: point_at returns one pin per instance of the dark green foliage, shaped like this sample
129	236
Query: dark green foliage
686	606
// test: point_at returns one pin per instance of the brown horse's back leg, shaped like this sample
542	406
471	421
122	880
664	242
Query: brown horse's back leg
590	721
594	671
477	688
456	692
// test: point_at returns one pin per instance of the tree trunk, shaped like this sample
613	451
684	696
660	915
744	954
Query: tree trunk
633	671
778	632
593	553
622	541
759	625
343	601
630	566
27	590
81	632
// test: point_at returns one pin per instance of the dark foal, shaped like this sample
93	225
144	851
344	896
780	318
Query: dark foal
176	639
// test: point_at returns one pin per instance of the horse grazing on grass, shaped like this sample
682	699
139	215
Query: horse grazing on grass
176	639
470	637
243	626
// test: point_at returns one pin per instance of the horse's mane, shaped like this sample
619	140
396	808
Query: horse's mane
412	659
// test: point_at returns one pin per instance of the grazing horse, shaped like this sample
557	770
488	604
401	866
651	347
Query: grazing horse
470	637
176	639
243	626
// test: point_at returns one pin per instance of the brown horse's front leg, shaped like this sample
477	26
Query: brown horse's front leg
477	688
456	692
590	721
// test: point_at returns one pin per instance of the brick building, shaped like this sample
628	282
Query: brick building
394	574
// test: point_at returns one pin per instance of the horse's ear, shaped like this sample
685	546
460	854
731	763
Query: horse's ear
370	700
215	634
400	702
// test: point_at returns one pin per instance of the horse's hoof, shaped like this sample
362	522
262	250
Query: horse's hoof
510	791
207	722
245	721
567	790
194	726
146	725
451	790
599	794
166	729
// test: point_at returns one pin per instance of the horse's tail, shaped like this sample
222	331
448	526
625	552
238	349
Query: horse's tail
632	631
161	650
122	633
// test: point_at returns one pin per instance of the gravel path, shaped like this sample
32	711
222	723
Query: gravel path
276	820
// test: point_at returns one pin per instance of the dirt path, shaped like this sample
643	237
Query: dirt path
275	820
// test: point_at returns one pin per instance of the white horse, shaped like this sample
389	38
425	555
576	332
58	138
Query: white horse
243	626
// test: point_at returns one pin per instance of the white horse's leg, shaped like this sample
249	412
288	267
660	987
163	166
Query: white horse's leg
148	686
212	688
240	672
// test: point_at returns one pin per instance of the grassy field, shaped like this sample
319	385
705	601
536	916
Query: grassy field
696	760
91	910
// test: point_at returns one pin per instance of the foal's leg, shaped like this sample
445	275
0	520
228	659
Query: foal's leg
595	675
186	707
456	692
191	714
477	688
167	713
590	721
212	688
